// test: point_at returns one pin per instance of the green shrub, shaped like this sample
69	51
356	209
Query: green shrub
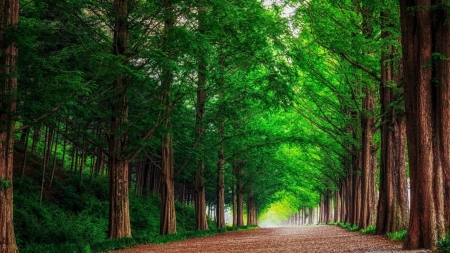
397	236
370	230
444	244
343	225
353	228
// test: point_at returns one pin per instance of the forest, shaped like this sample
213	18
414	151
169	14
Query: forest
122	121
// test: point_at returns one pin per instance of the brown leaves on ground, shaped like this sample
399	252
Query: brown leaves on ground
282	239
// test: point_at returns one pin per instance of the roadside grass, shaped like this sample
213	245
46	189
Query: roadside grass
397	236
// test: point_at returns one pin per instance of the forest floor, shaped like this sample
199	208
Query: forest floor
281	239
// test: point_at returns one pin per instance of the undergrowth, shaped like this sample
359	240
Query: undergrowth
73	217
444	244
370	230
348	226
397	236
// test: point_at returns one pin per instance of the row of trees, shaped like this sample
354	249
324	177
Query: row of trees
227	103
163	96
377	79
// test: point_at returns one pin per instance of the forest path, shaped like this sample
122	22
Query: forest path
281	239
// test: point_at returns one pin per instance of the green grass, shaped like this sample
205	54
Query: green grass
397	236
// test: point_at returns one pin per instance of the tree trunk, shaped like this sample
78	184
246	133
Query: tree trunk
167	218
119	214
220	219
356	191
442	96
425	76
393	209
234	198
36	137
199	181
251	210
239	197
9	14
367	182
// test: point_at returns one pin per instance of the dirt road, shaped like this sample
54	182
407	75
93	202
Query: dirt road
285	239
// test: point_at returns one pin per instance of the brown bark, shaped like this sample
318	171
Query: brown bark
119	214
442	98
251	210
239	197
356	191
234	199
200	201
220	210
367	180
393	209
9	14
337	205
425	78
168	216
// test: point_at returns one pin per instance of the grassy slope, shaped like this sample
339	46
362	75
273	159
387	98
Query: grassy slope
73	215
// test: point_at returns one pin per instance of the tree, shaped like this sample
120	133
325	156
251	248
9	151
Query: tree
119	214
426	76
393	210
9	17
167	218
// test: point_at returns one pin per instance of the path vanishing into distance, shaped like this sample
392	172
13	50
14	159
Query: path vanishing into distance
281	239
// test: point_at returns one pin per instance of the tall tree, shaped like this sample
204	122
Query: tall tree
167	217
9	17
199	181
393	210
119	214
426	76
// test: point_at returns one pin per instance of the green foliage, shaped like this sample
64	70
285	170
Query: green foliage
370	230
4	184
444	244
230	228
397	236
353	228
74	218
348	226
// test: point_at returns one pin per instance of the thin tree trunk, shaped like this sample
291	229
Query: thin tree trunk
36	137
46	155
63	154
25	154
54	160
220	183
239	198
234	200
